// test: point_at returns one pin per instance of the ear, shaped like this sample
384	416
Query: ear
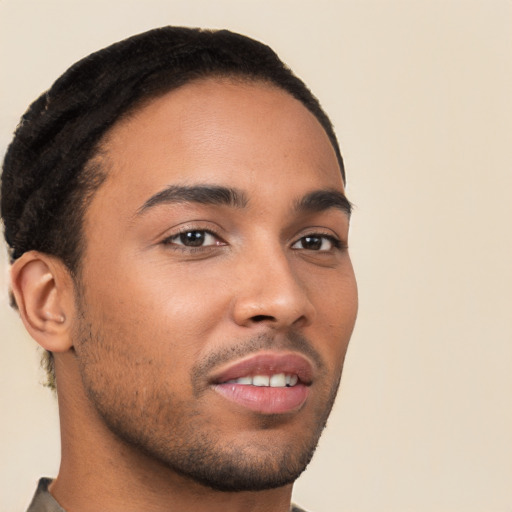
44	292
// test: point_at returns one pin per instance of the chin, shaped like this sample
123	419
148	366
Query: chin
245	468
266	458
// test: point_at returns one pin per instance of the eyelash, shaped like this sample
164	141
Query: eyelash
171	241
336	243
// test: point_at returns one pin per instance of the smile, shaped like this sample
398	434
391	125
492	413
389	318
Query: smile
277	380
268	383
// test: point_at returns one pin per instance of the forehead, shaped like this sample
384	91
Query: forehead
218	131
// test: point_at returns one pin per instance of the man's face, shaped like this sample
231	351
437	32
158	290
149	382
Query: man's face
217	296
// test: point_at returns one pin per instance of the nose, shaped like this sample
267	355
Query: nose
269	291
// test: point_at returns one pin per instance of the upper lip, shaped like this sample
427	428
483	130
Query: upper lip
267	363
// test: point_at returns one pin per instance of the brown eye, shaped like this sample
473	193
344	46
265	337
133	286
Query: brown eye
313	243
316	243
194	238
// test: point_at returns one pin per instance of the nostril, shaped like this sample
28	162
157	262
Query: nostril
262	318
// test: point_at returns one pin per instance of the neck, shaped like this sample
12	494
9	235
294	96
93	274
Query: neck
100	471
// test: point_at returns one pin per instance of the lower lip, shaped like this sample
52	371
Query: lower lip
265	399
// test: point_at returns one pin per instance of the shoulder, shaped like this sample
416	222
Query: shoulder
43	501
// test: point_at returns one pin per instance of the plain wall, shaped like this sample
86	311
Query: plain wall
420	93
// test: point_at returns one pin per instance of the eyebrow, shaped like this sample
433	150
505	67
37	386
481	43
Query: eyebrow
202	194
321	200
316	201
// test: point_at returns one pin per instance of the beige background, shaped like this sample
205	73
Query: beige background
420	93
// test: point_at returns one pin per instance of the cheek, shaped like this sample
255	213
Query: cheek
156	312
145	287
335	298
336	305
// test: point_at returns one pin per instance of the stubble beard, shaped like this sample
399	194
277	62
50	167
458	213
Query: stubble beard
173	433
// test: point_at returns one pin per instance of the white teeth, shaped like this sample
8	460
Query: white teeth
244	380
278	380
261	380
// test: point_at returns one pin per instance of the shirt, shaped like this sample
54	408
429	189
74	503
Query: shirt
43	501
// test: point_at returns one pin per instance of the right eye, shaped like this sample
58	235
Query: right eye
194	238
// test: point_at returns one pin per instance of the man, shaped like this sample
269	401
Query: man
175	211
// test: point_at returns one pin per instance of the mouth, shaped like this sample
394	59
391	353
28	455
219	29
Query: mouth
269	383
276	380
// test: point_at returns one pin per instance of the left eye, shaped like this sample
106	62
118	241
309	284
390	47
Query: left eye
193	238
316	243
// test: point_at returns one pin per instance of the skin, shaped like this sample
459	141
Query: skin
152	320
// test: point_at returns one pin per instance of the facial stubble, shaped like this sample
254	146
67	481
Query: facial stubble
173	431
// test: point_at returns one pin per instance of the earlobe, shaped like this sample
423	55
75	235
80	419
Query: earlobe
43	289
